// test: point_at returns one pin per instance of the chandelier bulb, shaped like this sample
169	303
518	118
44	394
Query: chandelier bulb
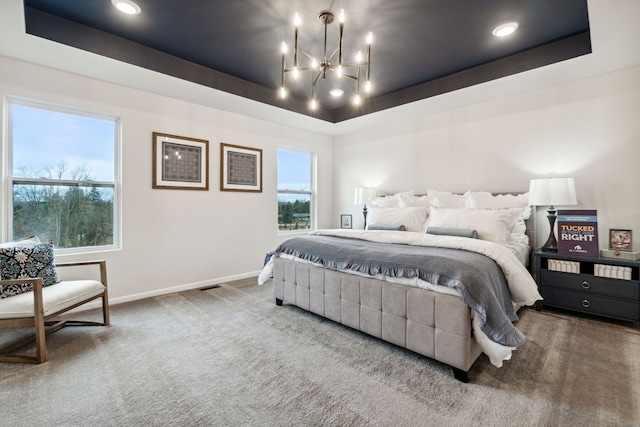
367	86
283	47
314	63
341	17
314	104
356	100
339	71
358	56
283	92
296	20
295	73
369	38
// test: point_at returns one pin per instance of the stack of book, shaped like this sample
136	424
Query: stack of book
612	271
564	266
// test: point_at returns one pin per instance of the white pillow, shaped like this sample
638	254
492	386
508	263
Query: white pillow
393	201
384	202
494	225
484	200
422	201
445	199
28	241
413	218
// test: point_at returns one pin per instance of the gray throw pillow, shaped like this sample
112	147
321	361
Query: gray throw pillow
460	232
386	227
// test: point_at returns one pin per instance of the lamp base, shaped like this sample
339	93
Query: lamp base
364	212
551	244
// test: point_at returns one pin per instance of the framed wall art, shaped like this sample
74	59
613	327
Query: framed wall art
619	240
345	221
180	163
240	168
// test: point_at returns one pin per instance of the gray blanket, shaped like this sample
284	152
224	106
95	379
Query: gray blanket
478	278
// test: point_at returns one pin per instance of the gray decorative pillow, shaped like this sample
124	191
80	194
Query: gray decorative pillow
27	262
386	227
460	232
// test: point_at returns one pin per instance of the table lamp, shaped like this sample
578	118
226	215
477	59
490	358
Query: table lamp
552	192
362	197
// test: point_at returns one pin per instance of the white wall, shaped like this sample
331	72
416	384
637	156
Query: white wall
175	239
588	129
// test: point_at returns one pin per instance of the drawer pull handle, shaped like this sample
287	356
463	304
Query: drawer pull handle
585	285
586	304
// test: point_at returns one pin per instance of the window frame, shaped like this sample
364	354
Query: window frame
6	196
311	192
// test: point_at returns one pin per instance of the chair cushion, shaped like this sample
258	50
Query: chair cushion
55	298
24	262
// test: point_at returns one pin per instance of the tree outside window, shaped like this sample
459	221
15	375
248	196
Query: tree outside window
63	175
295	194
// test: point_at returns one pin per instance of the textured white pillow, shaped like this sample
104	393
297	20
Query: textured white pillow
422	201
445	199
384	202
393	201
28	241
494	225
484	200
413	218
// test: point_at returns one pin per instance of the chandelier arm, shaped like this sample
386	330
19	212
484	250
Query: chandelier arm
354	64
295	49
283	68
316	80
332	55
340	43
350	76
368	61
325	39
305	53
288	70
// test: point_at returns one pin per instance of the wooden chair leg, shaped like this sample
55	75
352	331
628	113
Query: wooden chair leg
105	308
40	332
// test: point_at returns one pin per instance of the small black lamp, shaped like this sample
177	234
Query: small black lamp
552	192
362	197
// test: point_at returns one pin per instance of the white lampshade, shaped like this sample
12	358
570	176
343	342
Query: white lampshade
552	192
363	195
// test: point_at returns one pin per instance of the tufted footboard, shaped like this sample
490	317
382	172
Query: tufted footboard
429	323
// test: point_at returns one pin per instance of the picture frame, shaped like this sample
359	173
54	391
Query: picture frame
620	240
240	168
180	163
345	221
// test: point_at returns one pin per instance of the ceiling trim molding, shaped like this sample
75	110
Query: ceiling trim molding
44	25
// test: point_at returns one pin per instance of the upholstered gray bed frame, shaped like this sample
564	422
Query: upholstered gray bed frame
429	323
432	324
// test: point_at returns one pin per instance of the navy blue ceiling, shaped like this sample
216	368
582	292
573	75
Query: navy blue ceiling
421	48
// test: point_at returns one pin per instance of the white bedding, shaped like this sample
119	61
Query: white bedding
523	288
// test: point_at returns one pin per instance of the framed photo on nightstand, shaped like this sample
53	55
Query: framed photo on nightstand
619	240
345	221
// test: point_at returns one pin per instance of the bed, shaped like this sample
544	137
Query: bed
440	274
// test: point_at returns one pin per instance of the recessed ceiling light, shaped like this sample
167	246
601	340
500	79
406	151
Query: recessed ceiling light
336	92
505	29
127	6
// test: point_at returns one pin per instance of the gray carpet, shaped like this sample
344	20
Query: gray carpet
229	356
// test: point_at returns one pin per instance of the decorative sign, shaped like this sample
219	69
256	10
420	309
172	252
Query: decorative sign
578	233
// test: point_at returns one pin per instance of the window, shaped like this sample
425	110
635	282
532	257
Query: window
62	172
295	195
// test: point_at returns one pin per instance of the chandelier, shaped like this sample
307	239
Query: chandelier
318	68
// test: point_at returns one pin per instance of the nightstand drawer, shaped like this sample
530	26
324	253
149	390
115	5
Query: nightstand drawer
591	284
590	303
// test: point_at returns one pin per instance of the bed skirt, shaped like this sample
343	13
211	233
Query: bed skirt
429	323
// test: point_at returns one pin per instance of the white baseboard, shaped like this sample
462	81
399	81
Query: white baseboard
165	291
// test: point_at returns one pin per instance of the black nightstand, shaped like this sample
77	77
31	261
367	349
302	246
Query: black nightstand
578	288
